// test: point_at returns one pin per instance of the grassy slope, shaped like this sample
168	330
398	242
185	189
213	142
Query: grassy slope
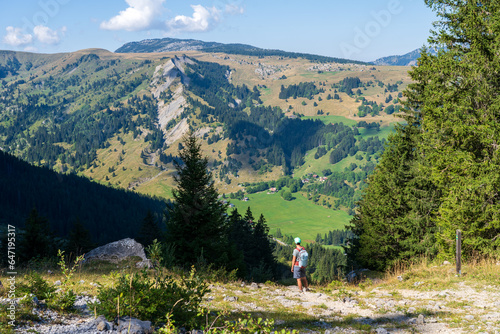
298	217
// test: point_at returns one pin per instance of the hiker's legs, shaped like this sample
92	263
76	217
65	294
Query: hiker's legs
299	283
304	283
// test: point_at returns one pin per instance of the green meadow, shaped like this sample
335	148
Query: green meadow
333	119
298	217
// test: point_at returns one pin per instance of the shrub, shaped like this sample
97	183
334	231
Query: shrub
36	285
156	297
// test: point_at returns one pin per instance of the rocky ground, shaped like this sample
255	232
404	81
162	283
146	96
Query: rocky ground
378	308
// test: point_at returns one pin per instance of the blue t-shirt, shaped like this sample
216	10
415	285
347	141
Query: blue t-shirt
296	254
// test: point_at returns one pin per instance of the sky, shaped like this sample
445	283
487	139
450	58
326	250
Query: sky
355	29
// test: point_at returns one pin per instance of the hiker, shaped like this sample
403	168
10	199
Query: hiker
299	264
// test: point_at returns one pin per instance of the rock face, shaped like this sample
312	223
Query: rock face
118	251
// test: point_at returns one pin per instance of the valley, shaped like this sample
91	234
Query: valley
118	119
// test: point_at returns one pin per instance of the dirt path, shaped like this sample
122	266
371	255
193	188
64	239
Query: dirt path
461	310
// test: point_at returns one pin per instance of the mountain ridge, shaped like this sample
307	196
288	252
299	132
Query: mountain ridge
173	44
407	59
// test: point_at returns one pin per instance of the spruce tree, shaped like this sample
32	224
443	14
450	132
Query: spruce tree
197	227
79	241
37	240
441	171
456	95
394	221
149	230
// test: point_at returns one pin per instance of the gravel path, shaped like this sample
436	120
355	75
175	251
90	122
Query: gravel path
460	310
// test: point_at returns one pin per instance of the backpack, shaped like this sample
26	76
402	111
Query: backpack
303	257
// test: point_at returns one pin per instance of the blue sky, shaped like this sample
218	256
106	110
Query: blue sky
355	29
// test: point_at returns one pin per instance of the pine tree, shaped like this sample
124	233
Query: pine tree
249	216
240	235
79	241
456	94
196	223
395	221
263	251
149	230
37	240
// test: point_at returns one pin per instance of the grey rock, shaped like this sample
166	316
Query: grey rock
381	330
446	263
254	286
81	282
231	298
133	326
400	278
420	319
117	251
412	310
417	283
57	283
469	317
103	326
36	302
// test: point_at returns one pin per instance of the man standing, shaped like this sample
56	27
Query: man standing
299	269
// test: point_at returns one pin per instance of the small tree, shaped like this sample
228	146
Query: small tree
79	240
196	224
37	240
149	230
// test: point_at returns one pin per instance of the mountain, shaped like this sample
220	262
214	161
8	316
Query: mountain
173	44
408	59
312	129
165	45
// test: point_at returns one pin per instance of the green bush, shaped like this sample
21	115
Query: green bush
245	325
63	301
154	296
36	285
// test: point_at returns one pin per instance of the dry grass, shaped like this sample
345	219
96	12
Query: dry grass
475	272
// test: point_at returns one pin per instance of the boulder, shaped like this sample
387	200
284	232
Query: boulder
133	326
117	251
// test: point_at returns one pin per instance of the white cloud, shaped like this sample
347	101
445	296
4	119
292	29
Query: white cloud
139	15
46	35
16	37
203	19
234	9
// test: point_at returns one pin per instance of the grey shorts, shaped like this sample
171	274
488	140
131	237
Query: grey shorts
299	272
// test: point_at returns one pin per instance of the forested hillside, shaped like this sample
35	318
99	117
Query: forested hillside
65	199
265	122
